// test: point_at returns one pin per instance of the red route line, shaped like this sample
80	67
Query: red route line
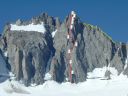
69	33
70	66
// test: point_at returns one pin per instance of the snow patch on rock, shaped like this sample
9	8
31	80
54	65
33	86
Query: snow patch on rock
30	27
6	53
53	33
100	72
47	76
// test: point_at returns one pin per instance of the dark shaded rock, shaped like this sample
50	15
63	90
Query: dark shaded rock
107	74
18	63
4	72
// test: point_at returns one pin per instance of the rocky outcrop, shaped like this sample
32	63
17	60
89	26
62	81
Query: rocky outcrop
33	54
51	23
28	55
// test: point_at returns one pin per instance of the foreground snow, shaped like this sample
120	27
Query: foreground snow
30	27
117	86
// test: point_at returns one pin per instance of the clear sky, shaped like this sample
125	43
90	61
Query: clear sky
110	15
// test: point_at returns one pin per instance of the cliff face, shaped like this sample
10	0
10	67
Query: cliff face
75	49
28	55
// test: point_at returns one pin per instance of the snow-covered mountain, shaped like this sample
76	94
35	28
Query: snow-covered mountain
43	50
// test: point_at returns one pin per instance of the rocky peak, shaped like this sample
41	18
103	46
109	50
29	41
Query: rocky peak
19	22
50	22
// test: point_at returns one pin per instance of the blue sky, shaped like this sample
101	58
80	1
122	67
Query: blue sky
110	15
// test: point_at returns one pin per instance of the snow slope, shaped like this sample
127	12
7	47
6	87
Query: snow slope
100	72
30	27
92	87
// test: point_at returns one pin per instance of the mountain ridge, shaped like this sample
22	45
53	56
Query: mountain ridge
32	54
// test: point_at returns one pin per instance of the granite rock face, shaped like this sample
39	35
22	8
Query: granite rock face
32	54
28	55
